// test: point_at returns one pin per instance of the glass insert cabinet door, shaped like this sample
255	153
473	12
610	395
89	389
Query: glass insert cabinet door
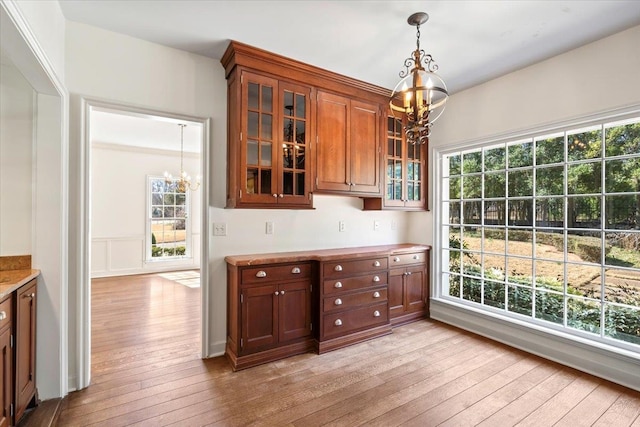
405	178
274	142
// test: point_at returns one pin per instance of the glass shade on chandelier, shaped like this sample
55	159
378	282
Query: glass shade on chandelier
421	94
183	182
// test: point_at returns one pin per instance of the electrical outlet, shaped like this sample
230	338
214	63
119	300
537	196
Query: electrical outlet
268	228
341	226
219	228
376	225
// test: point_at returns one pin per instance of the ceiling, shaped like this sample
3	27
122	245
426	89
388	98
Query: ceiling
472	41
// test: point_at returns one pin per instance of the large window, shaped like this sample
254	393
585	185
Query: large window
547	229
169	225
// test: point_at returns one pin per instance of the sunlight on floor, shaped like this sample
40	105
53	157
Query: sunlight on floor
189	278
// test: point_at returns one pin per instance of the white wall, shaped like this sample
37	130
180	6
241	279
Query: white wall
119	68
16	147
599	77
119	208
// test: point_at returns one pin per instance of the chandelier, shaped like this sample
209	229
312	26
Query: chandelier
184	181
421	94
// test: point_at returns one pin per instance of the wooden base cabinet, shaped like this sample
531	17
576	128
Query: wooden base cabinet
408	287
279	305
17	353
273	306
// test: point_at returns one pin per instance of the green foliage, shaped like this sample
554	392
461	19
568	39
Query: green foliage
157	251
153	239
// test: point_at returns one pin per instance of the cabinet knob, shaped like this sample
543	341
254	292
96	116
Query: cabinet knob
295	270
261	273
281	195
396	259
376	264
376	278
275	195
376	294
31	296
376	313
277	293
281	292
3	315
408	273
338	285
338	301
338	322
338	267
416	256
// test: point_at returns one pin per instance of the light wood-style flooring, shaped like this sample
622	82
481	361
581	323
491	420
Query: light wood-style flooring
147	371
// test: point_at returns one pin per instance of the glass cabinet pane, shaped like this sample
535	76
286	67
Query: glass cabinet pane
252	180
287	106
253	95
288	130
265	154
287	155
267	99
300	184
301	106
252	124
300	132
252	152
300	156
267	126
265	181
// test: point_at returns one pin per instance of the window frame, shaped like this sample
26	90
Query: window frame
149	221
441	220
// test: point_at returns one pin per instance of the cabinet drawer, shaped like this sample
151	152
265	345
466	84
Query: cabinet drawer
405	259
344	322
354	283
342	302
5	313
351	268
275	273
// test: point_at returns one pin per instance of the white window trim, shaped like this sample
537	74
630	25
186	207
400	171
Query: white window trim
613	363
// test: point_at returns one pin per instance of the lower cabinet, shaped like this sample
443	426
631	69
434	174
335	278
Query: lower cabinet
408	292
269	312
281	305
17	353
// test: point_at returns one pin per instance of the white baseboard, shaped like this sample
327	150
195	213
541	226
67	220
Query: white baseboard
619	366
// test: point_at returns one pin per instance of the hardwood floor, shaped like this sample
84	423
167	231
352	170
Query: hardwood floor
146	371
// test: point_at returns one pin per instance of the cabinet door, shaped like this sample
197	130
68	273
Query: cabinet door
364	173
294	145
294	311
395	291
332	149
25	347
258	174
259	318
5	377
414	289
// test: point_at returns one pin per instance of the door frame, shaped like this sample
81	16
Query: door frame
84	292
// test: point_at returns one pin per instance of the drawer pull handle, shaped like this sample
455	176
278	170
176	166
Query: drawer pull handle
416	256
376	264
376	294
277	293
295	270
396	259
338	285
376	278
3	315
261	273
338	322
338	267
338	301
376	313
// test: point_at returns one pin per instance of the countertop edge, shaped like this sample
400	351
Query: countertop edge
323	254
17	279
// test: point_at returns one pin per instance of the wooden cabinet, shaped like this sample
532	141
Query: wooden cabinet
405	181
283	304
348	145
270	156
293	129
269	312
408	286
353	301
25	358
6	358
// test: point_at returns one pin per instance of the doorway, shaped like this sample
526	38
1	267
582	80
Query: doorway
138	222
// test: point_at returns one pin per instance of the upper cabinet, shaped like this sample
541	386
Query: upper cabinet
294	129
348	145
405	181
